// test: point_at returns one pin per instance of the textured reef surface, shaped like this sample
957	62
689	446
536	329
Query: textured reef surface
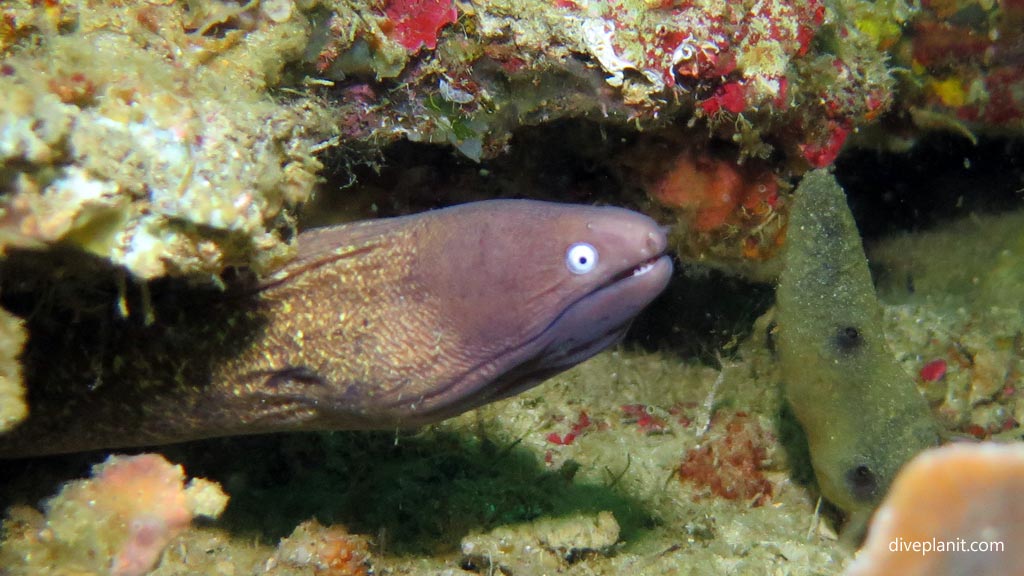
166	149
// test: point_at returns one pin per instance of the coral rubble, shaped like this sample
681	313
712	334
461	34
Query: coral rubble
956	307
729	464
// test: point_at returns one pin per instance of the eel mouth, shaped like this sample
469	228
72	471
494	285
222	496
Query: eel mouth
638	270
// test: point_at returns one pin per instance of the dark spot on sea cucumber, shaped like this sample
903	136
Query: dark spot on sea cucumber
862	482
848	339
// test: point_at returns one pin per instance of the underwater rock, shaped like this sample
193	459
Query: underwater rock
951	511
546	545
327	550
192	155
117	523
862	414
12	391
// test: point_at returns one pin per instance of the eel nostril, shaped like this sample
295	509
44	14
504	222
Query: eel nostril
654	242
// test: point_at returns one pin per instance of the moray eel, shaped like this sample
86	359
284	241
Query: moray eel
384	324
862	414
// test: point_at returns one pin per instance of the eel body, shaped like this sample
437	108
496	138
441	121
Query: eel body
862	414
384	324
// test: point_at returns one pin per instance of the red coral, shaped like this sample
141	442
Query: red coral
416	23
730	464
823	153
730	97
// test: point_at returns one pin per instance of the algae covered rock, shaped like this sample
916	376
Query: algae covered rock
326	550
12	393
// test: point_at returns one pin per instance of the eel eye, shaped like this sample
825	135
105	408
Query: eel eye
581	258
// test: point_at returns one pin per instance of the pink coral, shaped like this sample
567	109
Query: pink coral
119	521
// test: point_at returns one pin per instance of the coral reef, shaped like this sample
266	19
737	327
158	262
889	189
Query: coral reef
952	510
174	161
180	161
963	67
743	70
118	522
731	214
192	154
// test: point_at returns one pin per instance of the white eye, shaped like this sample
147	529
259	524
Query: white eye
581	258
